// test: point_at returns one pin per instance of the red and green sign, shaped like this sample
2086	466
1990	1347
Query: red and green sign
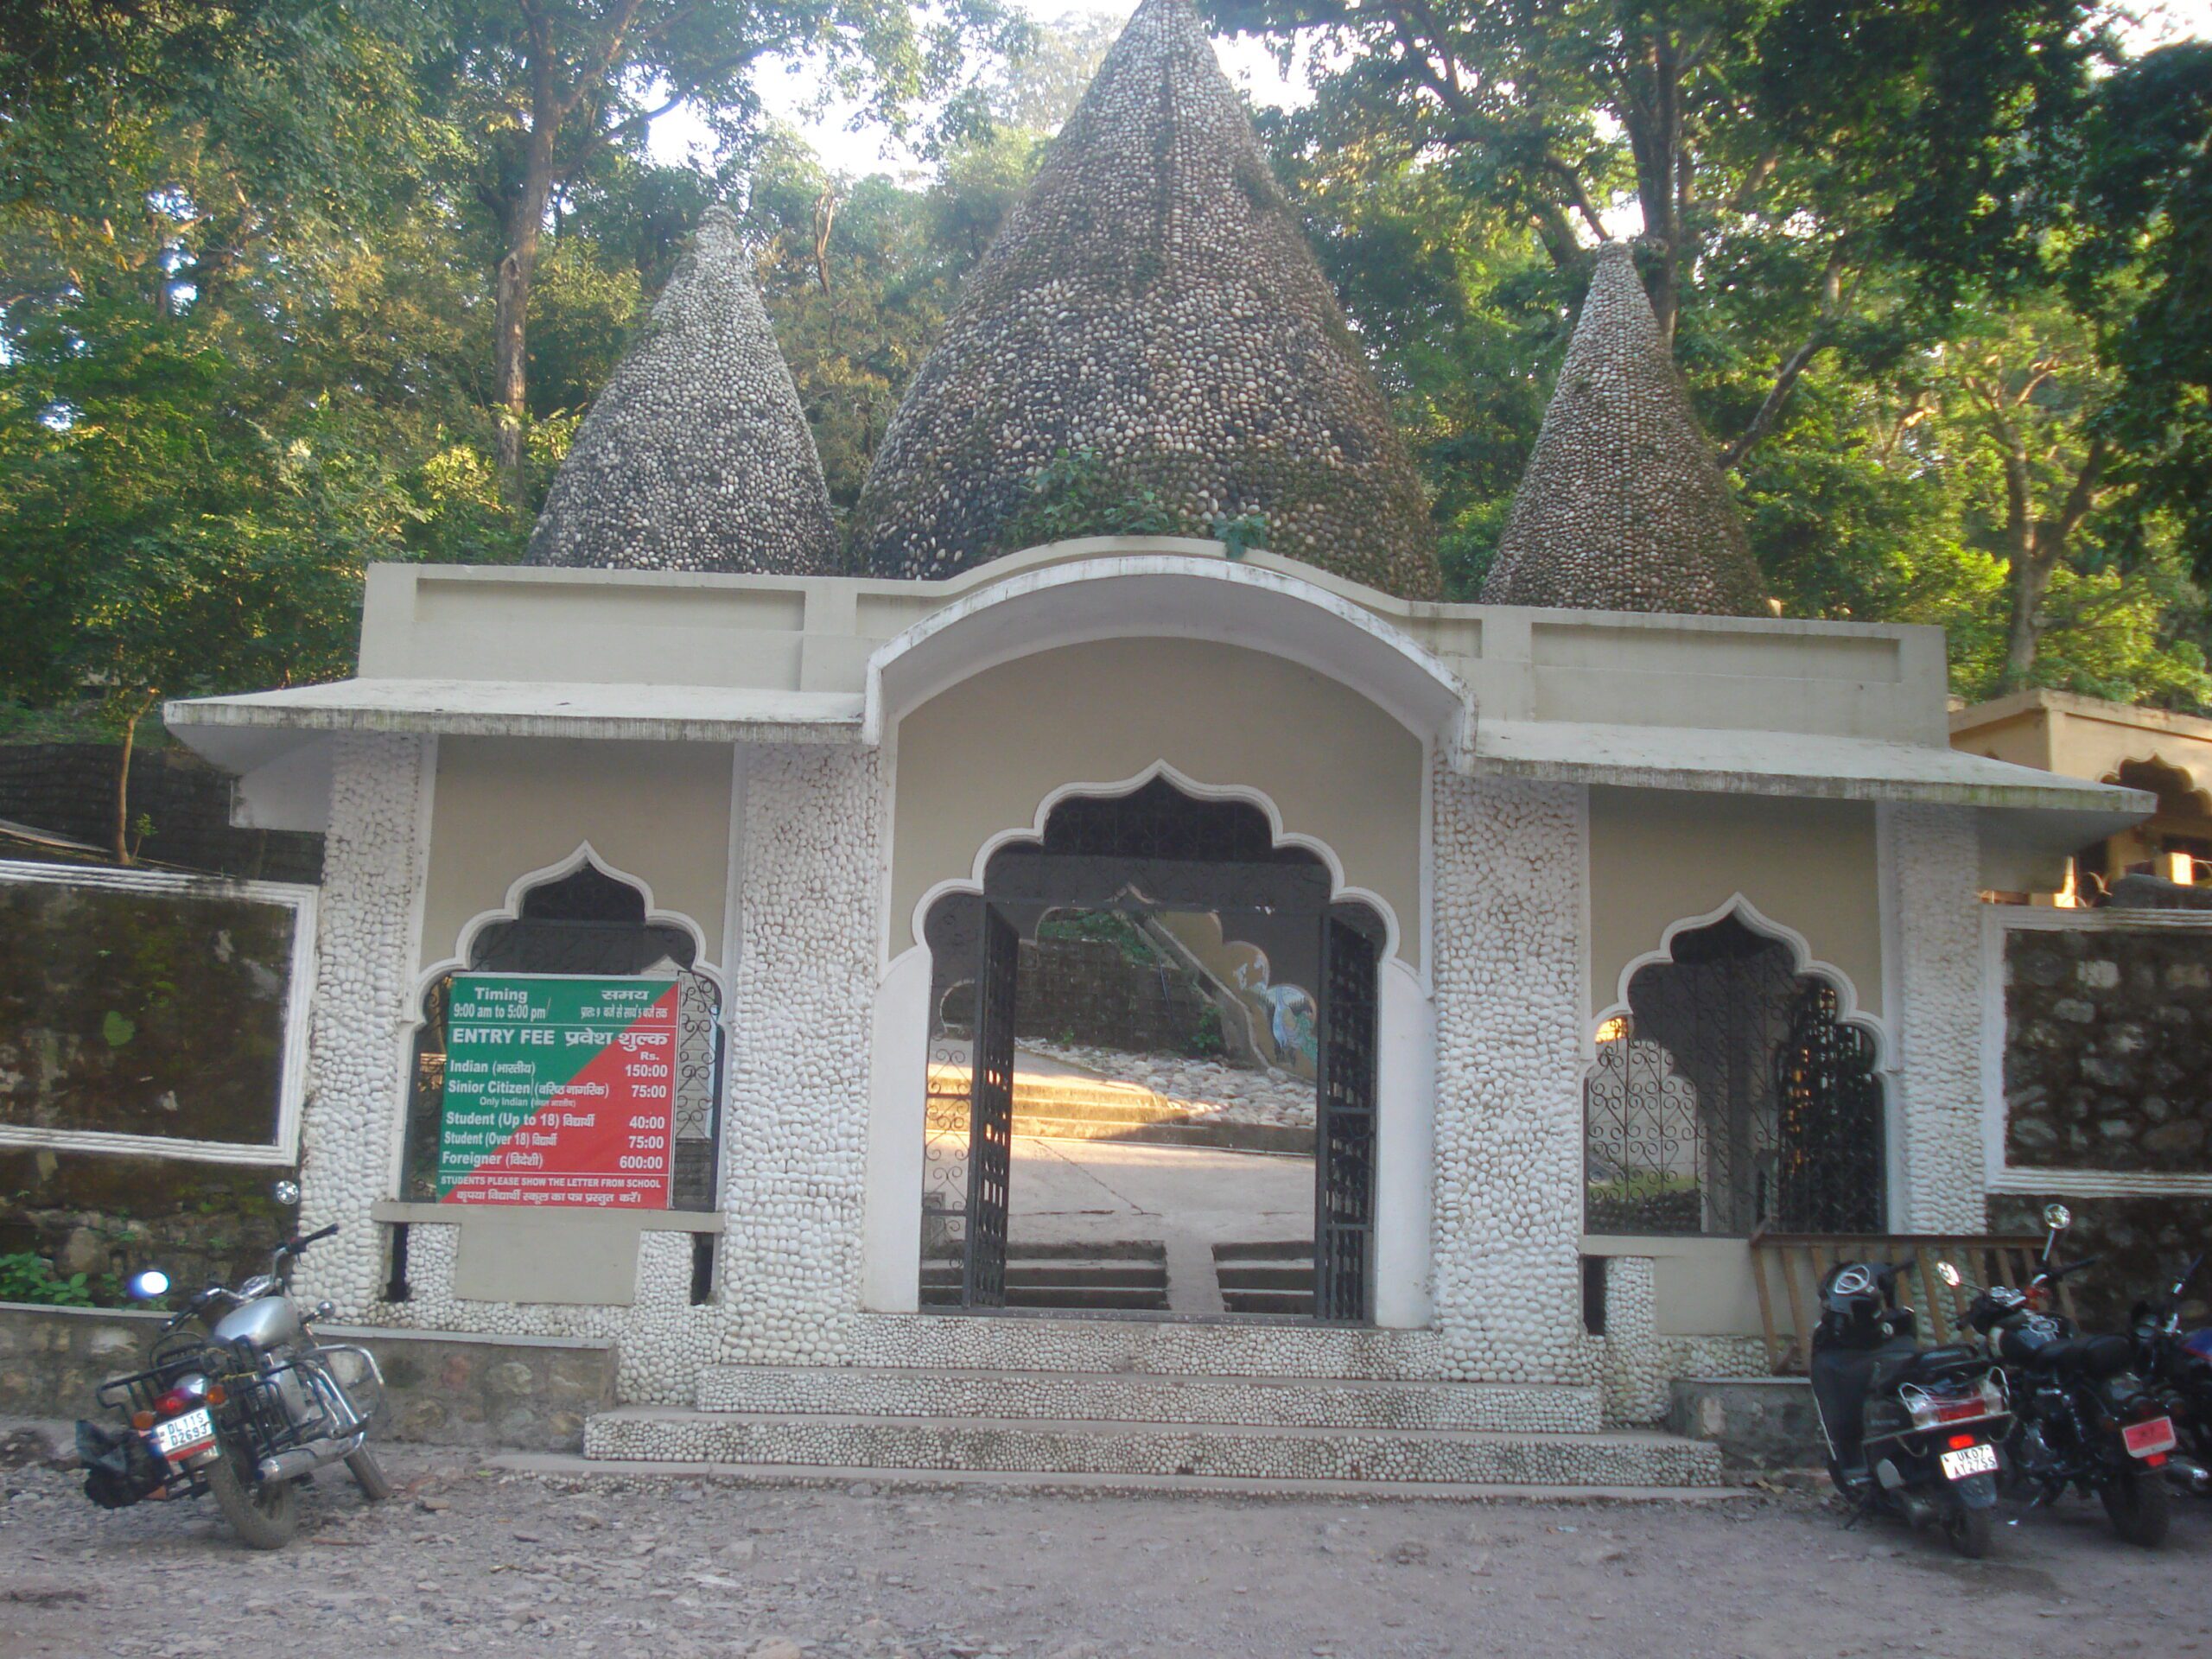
559	1089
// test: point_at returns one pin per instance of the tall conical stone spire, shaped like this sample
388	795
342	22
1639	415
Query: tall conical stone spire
697	456
1152	301
1621	507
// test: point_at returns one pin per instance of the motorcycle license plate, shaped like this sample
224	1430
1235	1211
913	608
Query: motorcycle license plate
180	1437
1969	1461
2148	1440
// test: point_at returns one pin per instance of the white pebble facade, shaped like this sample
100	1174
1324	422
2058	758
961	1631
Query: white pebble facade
1533	802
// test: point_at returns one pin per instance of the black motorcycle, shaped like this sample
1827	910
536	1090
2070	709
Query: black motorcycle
2178	1364
1911	1432
2083	1418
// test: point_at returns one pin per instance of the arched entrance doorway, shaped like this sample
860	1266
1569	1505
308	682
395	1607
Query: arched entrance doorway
1156	927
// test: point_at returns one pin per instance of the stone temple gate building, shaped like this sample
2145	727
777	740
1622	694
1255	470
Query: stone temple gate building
1115	1006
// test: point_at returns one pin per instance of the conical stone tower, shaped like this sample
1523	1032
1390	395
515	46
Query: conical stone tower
1623	507
697	456
1151	301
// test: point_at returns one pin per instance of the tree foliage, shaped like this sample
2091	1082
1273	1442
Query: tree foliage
1939	276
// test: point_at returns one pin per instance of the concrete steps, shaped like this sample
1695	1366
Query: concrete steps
1374	1457
945	1391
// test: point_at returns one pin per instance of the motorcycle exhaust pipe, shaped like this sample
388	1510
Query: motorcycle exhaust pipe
2191	1476
302	1460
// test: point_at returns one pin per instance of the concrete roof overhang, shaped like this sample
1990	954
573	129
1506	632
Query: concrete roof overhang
1162	595
241	733
2026	818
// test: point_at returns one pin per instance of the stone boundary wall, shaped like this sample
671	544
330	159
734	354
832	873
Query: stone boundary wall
2098	1071
2108	1048
518	1392
69	789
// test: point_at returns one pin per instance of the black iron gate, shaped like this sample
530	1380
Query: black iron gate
990	1114
1343	1178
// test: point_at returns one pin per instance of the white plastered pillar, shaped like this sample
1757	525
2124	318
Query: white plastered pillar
375	860
1512	870
1931	864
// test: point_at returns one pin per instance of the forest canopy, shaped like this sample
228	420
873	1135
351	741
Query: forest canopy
287	288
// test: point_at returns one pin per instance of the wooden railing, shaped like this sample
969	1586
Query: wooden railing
1787	1268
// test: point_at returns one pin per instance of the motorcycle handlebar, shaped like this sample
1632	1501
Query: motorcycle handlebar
299	1244
2056	1274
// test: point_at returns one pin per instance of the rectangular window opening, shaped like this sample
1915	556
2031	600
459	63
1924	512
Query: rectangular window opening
395	1287
702	1268
1593	1295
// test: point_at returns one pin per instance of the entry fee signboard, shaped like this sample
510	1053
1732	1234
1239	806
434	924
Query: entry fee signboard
560	1089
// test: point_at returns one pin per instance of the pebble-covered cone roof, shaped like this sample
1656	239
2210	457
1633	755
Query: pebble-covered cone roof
697	456
1152	300
1623	507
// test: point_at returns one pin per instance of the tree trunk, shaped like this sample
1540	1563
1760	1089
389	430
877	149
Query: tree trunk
1652	101
122	782
525	224
2025	583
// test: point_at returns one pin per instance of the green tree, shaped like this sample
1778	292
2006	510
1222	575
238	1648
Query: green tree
545	89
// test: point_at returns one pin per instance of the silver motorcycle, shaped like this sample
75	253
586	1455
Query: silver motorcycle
240	1401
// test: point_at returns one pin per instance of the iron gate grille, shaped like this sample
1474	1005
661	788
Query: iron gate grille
1730	1096
991	1134
1343	1182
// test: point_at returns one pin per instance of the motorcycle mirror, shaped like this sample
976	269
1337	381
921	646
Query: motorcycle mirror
1949	1275
2057	1218
144	1286
287	1192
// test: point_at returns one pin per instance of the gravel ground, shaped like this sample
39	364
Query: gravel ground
467	1561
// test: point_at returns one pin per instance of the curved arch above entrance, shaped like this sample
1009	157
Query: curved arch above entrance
1280	840
1159	986
1163	595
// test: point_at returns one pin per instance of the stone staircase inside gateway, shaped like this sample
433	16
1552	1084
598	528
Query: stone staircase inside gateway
1171	1425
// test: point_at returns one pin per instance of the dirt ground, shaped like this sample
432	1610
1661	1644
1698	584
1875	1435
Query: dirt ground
467	1561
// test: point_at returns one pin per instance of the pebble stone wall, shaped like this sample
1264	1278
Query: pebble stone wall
1933	855
696	456
1621	507
1511	862
1152	300
1640	1365
794	1137
374	859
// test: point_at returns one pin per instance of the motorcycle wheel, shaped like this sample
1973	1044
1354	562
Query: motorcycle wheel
368	1475
2137	1503
265	1515
1968	1532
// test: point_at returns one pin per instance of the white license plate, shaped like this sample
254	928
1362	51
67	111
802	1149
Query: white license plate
2148	1440
180	1437
1968	1461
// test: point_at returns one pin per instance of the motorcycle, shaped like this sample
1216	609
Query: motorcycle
239	1400
2178	1365
1911	1431
2082	1418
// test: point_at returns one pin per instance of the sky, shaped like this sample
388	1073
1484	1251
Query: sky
867	149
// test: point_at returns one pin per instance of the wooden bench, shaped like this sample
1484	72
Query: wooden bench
1788	1268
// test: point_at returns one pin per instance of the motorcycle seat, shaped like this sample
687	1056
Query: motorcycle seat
2084	1356
1930	1364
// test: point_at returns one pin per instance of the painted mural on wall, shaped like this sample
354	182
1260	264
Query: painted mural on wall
135	1012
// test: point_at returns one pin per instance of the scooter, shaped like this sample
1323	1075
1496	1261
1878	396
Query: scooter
239	1400
1911	1432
